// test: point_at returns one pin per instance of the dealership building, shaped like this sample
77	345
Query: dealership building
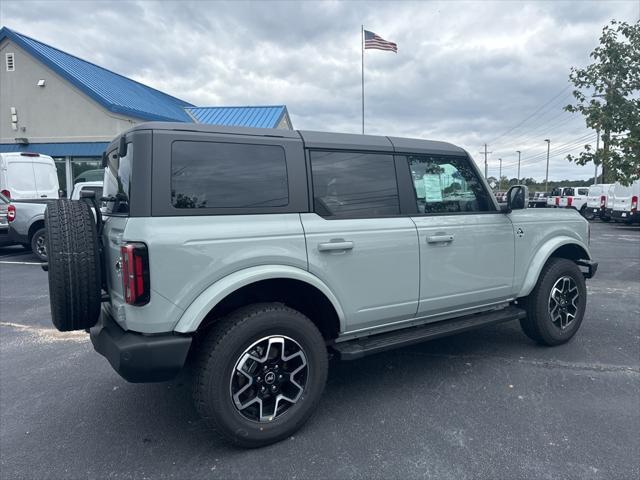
54	103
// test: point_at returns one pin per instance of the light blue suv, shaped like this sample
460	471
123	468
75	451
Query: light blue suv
251	255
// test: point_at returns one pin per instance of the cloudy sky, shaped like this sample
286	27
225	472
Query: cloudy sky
466	72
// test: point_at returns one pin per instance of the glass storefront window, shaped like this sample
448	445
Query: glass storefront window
86	169
61	169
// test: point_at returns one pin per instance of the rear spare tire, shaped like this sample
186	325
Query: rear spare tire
74	265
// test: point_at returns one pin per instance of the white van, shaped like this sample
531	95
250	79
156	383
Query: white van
625	203
597	200
28	176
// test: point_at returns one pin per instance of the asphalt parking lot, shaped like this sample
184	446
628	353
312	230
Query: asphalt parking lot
487	404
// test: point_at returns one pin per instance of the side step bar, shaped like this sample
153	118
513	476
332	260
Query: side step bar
360	347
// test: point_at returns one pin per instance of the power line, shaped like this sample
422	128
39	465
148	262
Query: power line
531	115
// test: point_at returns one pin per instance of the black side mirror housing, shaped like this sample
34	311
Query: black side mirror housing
122	147
517	197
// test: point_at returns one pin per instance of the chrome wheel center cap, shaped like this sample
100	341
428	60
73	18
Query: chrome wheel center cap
269	378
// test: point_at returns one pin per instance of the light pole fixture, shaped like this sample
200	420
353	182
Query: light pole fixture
546	179
518	152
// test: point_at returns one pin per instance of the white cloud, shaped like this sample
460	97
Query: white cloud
466	71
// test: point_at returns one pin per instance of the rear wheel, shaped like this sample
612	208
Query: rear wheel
75	280
39	244
259	374
555	308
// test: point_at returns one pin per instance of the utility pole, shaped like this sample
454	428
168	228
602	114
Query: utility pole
595	175
500	174
486	167
518	152
546	178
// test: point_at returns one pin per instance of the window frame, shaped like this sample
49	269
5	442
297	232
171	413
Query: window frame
311	197
162	205
411	203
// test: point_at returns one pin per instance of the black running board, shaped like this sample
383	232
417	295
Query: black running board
353	349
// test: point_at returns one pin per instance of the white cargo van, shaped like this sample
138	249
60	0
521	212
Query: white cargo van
597	201
28	176
625	203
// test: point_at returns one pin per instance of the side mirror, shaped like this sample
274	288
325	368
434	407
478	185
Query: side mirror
517	197
122	147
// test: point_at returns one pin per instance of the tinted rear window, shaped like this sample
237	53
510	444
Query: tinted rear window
117	182
354	185
228	175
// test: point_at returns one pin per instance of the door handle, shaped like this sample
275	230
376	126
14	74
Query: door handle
440	238
341	245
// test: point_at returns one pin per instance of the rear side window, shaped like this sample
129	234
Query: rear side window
228	175
354	184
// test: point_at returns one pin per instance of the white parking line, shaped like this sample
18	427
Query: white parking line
21	263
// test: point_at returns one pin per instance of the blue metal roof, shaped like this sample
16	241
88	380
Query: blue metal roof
260	117
116	93
89	149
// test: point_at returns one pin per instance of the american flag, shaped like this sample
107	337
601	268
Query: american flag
371	40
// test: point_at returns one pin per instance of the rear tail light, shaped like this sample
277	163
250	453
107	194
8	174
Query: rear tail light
135	273
569	201
634	204
603	201
557	200
11	213
6	193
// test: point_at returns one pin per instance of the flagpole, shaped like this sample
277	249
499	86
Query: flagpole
362	51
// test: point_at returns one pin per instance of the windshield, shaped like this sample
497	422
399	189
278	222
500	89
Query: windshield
117	182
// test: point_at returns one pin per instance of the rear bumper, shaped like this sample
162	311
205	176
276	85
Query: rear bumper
591	267
136	357
625	216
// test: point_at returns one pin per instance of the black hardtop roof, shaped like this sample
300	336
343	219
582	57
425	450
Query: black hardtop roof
312	139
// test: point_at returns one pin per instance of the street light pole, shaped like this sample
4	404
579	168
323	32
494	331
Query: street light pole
546	180
518	152
500	174
595	176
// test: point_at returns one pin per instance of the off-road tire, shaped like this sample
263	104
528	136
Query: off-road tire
215	361
538	324
74	265
36	246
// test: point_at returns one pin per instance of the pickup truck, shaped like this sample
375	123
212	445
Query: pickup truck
27	225
251	256
575	198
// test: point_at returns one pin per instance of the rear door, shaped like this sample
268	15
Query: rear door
466	245
21	182
46	177
358	243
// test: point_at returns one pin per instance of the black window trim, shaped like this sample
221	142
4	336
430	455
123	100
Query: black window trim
308	151
408	186
162	206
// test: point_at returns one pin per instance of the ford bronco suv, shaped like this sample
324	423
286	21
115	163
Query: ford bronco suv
249	256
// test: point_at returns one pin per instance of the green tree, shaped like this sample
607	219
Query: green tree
606	93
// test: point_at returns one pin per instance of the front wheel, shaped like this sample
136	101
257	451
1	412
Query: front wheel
259	374
555	308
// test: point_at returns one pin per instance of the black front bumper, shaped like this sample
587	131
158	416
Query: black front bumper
136	357
591	266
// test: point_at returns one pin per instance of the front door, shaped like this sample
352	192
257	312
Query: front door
357	241
466	245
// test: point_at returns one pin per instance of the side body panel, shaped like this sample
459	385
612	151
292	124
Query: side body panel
538	234
474	268
189	254
376	279
26	215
